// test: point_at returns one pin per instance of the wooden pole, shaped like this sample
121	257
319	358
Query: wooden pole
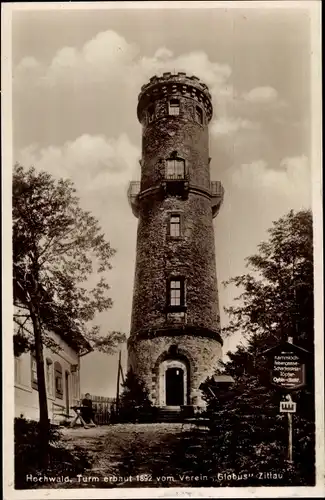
290	437
118	383
122	374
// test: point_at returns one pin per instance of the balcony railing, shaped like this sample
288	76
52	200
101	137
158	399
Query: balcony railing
133	192
216	188
217	193
134	188
175	177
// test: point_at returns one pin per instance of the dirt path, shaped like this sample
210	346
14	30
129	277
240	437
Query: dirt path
129	455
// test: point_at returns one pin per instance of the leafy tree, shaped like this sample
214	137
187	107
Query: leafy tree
277	295
276	302
134	403
57	248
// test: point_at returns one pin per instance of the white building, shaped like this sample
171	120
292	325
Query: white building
62	375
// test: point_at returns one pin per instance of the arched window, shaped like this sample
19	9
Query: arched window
49	376
58	380
175	168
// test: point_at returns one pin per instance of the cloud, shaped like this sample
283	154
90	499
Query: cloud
28	63
163	54
108	65
94	163
291	179
295	164
100	59
108	56
231	125
27	70
197	63
78	84
261	95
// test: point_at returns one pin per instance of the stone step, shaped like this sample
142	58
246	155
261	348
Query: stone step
167	414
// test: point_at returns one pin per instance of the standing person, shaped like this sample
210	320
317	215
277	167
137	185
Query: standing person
87	411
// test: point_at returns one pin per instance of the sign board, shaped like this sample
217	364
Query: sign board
288	407
287	363
288	370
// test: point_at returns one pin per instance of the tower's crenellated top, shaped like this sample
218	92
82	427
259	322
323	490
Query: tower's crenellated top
171	85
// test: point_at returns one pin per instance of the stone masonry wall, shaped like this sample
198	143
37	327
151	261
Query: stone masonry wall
175	133
201	353
159	257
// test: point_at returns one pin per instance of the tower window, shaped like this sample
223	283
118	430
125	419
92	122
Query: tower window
174	107
175	225
151	113
199	115
176	293
175	168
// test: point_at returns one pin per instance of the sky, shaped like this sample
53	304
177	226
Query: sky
76	79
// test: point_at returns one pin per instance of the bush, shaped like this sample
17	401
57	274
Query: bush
248	434
62	461
135	405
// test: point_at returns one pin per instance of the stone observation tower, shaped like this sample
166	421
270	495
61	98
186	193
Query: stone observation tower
175	338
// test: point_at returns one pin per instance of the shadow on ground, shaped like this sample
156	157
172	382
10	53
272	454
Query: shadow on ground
138	455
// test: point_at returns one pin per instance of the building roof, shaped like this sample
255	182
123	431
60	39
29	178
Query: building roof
74	338
223	378
285	346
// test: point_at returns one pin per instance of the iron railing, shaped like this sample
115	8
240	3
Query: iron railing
133	191
175	177
216	188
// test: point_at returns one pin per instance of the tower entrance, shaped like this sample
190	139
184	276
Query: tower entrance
173	383
174	387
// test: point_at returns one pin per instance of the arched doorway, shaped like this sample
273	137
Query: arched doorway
173	383
174	380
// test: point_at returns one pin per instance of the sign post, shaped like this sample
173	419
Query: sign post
288	373
290	438
289	407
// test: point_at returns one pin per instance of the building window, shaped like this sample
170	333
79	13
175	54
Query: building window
49	376
175	168
199	115
75	386
173	107
175	225
34	372
17	370
58	380
151	113
176	292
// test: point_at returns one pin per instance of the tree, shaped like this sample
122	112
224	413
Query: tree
277	299
275	302
57	247
134	402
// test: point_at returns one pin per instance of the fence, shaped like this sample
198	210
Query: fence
102	407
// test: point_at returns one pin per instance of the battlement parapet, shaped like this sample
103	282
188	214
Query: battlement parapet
174	84
180	77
